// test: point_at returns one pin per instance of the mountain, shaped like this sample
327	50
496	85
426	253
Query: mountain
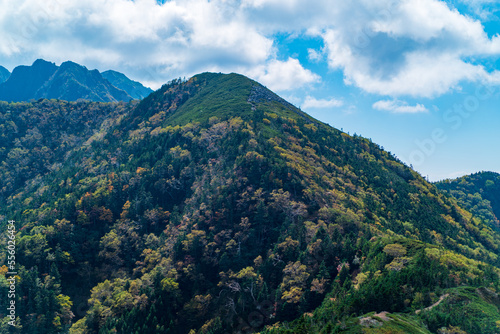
479	193
25	81
135	89
215	206
4	74
70	82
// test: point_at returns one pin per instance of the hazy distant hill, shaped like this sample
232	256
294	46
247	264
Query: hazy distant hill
133	88
215	206
70	82
4	74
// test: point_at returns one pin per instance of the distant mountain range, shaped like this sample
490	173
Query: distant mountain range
69	82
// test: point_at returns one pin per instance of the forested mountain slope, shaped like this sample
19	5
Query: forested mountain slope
35	138
214	206
479	193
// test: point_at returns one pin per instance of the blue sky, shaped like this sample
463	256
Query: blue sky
419	77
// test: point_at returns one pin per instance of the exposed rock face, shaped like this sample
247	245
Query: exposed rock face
261	94
370	322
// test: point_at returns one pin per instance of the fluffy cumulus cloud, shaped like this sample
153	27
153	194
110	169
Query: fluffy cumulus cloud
414	47
283	75
419	48
399	107
313	103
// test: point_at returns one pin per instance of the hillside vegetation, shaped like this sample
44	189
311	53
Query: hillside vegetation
479	193
214	206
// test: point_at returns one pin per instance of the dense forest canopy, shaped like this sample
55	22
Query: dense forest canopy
214	206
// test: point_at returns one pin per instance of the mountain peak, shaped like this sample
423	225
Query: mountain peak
43	63
111	73
243	95
71	64
135	89
73	81
25	81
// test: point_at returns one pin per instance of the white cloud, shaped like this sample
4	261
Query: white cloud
484	9
420	48
424	75
417	48
400	107
314	55
313	103
283	75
